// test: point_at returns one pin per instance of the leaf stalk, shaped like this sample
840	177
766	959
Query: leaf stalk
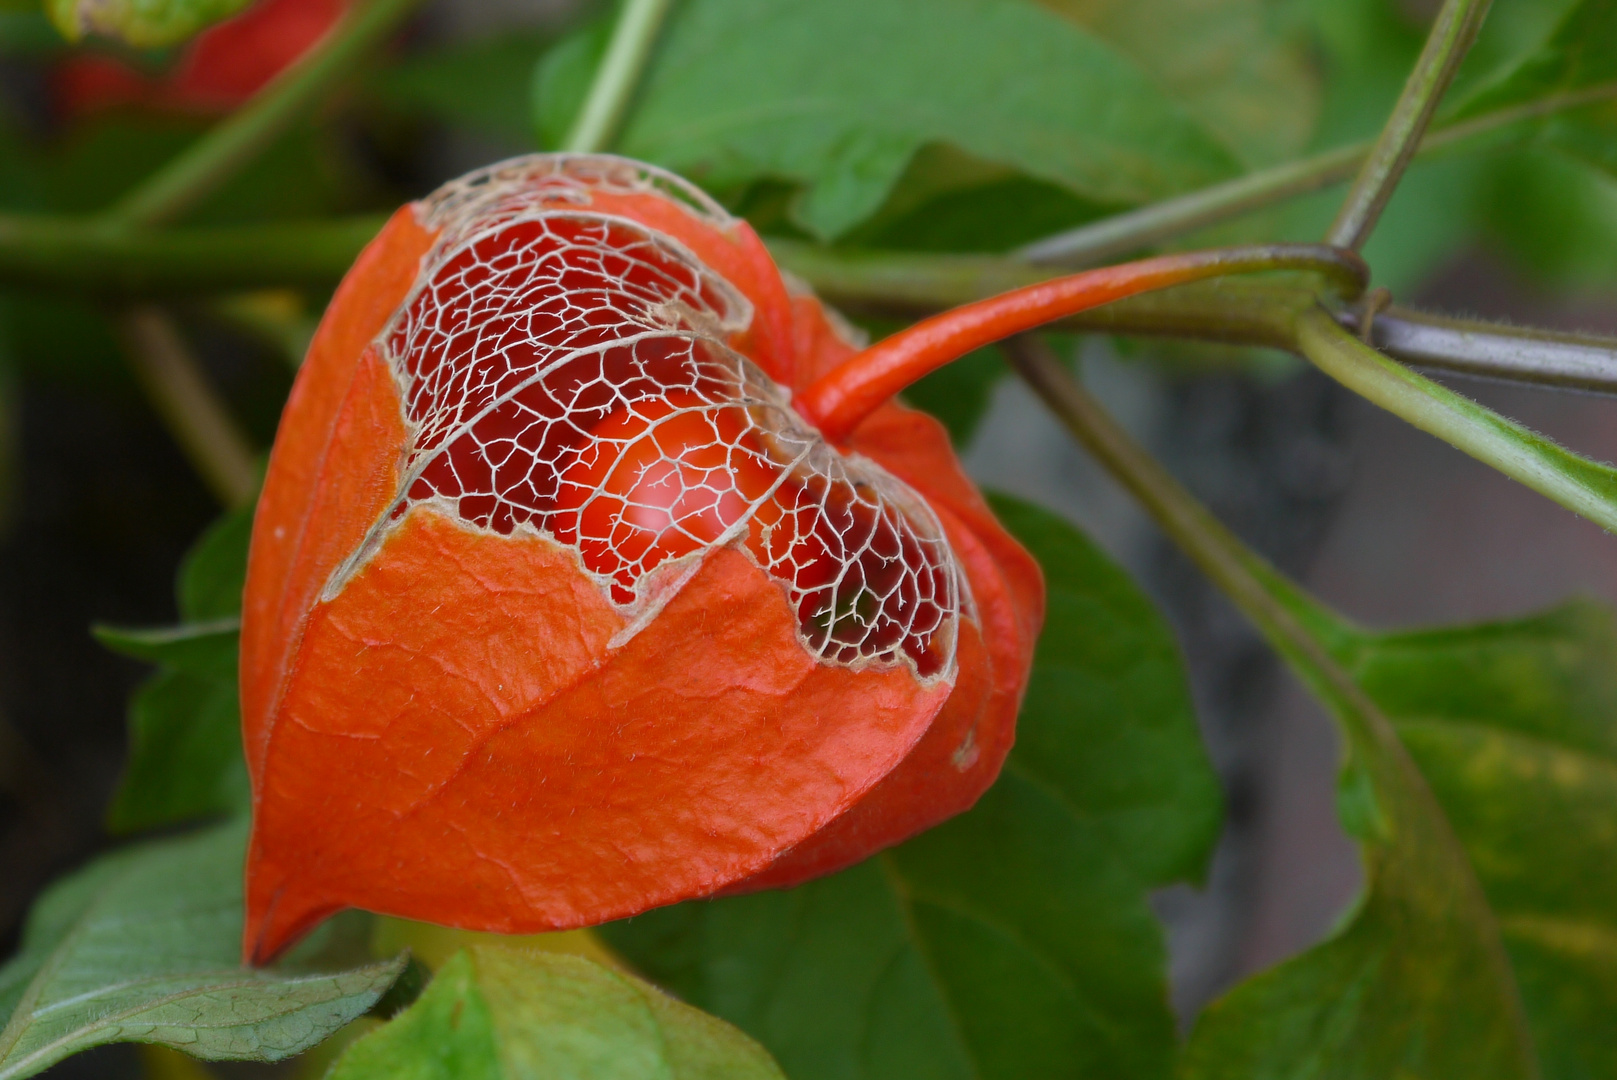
1452	33
1254	587
1135	230
1585	487
197	418
633	39
1547	358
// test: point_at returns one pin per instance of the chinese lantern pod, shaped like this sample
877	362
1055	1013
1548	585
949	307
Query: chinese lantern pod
557	610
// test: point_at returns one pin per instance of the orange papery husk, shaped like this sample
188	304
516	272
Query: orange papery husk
450	715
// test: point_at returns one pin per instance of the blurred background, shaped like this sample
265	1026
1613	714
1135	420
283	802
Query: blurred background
1393	528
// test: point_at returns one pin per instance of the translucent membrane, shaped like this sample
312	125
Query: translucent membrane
570	372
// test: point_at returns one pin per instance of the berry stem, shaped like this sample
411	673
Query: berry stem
838	401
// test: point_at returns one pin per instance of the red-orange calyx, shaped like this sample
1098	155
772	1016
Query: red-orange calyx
557	610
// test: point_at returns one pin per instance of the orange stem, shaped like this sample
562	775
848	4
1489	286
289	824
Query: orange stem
838	401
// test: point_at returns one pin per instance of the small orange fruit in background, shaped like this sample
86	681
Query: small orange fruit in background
220	69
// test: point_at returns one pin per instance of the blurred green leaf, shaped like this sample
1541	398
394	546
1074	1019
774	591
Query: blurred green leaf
1561	220
192	647
562	79
1554	215
214	572
1588	135
65	340
492	1012
305	173
1234	65
145	24
1577	56
185	756
1015	940
25	30
483	85
143	945
1514	725
839	95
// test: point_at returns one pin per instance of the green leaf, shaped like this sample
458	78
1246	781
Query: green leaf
1230	63
1515	727
214	572
1015	940
561	81
1416	981
185	756
1576	57
145	24
940	206
482	85
492	1013
303	174
25	30
838	96
143	945
1555	214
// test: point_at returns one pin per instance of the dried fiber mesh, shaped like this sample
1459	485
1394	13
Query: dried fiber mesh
567	372
485	197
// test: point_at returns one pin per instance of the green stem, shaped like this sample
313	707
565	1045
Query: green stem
1103	240
1451	36
196	416
192	410
619	74
224	150
1521	354
1580	485
1133	230
72	255
75	255
1290	621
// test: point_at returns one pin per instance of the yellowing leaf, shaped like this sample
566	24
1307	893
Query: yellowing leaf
145	24
494	1013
